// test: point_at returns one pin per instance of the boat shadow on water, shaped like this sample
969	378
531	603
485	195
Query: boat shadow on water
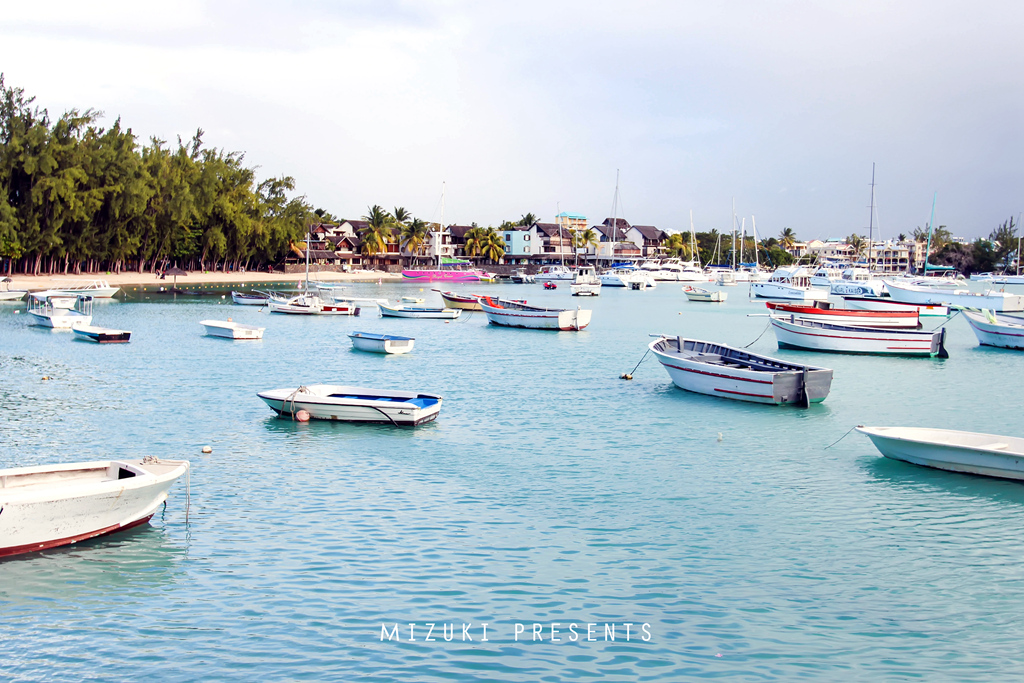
286	425
908	477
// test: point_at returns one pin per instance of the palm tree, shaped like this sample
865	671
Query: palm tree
856	243
474	241
584	239
377	233
676	245
414	235
901	237
492	245
528	220
401	216
787	238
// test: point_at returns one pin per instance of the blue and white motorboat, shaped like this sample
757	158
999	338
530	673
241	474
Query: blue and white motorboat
354	404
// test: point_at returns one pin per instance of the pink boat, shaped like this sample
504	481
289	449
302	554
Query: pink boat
446	275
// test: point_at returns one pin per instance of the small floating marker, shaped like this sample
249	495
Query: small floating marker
625	375
719	436
207	449
17	311
229	319
46	378
302	416
719	654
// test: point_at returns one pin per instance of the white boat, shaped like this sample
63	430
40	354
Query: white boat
59	310
826	312
311	304
1007	279
232	330
727	372
54	505
983	277
381	343
553	274
857	282
410	311
354	404
825	275
797	333
725	278
521	277
701	294
8	294
626	277
1000	302
992	329
947	449
250	299
788	282
586	283
516	314
751	273
871	303
674	270
97	289
102	335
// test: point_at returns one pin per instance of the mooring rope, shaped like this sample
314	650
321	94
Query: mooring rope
839	439
760	335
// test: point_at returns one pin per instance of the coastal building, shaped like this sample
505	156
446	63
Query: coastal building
556	243
613	245
439	242
522	244
647	238
890	256
571	221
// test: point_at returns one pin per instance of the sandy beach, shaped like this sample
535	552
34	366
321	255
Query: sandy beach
193	279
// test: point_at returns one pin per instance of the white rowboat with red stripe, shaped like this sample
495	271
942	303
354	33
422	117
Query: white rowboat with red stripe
825	312
797	333
719	370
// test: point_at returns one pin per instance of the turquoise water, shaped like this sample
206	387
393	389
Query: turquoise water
549	490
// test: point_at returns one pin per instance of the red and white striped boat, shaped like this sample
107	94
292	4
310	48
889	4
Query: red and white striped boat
516	314
871	303
797	333
825	312
727	372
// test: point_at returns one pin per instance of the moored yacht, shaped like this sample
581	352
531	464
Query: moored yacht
857	281
59	310
789	282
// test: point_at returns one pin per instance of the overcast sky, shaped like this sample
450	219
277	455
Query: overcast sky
532	105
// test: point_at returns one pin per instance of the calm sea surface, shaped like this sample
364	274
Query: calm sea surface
548	491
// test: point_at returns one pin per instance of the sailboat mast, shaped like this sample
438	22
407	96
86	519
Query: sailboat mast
615	218
753	226
693	241
743	237
561	244
931	224
734	234
871	219
305	287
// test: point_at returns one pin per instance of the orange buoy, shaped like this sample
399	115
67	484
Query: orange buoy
302	416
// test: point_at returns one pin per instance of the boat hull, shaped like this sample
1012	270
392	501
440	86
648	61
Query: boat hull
326	403
881	304
377	343
742	384
969	452
910	294
443	275
772	290
531	318
1002	333
101	335
907	319
61	321
465	303
793	333
50	506
231	330
249	299
414	312
699	294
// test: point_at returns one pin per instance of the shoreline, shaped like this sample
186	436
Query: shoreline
35	283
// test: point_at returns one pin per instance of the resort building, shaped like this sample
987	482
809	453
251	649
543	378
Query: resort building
522	244
556	243
571	221
647	238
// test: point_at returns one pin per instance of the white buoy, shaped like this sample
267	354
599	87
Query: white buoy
207	449
719	436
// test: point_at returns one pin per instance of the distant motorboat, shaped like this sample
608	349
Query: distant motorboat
788	282
1007	279
701	294
54	505
725	278
59	310
102	335
875	303
446	275
857	282
726	372
586	283
246	299
798	333
381	343
1000	302
413	311
825	275
97	289
990	455
354	404
992	329
311	304
508	313
469	302
825	312
520	277
232	330
550	285
554	274
8	294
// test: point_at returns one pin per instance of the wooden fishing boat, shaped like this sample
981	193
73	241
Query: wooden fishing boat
874	303
719	370
826	312
54	505
59	310
993	300
102	335
797	333
465	302
508	313
381	343
992	329
354	404
404	311
250	299
947	449
232	330
701	294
